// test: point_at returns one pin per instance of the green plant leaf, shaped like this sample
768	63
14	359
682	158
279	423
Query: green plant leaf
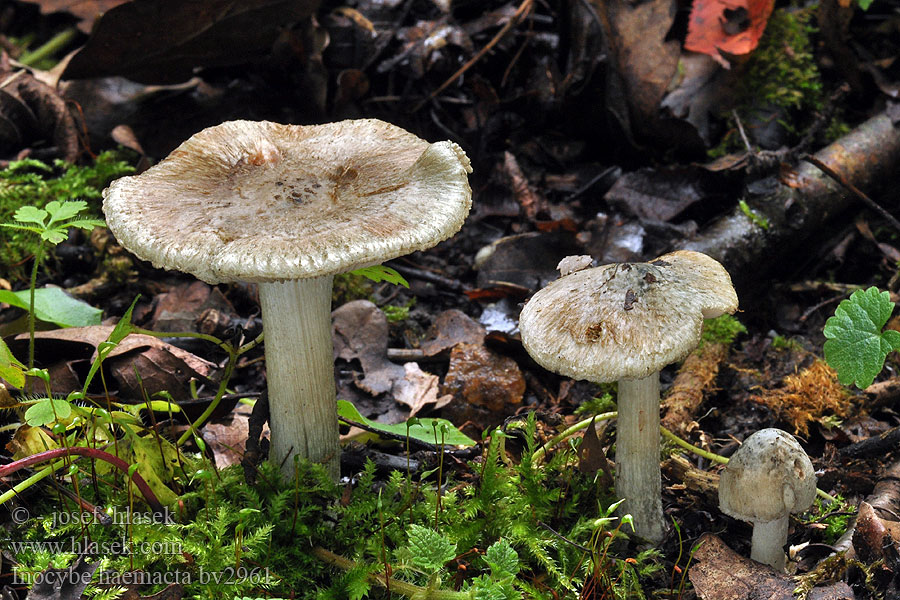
429	550
55	235
63	211
30	214
55	306
421	429
46	411
11	369
379	273
502	559
856	345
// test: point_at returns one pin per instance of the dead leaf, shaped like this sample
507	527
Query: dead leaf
659	195
33	114
730	26
227	438
451	327
875	539
644	58
360	332
161	366
163	41
592	458
720	573
180	308
419	389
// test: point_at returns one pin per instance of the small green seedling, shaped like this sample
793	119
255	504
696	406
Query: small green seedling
857	347
52	224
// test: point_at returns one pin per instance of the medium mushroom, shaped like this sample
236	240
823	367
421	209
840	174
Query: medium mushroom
288	207
624	322
768	478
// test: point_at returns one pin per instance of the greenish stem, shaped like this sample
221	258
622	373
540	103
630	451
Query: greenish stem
50	47
30	481
233	354
692	448
38	255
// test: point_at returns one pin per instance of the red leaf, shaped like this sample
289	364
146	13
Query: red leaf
727	26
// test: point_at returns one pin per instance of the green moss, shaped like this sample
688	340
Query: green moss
722	330
780	77
35	183
782	71
228	538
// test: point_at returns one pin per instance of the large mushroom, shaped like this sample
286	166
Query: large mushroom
767	478
288	207
625	322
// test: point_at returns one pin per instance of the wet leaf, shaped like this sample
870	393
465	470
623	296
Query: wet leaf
419	389
718	26
856	345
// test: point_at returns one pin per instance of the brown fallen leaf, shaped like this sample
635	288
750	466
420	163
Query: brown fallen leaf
360	332
180	308
161	366
643	56
450	328
730	26
33	114
419	389
163	41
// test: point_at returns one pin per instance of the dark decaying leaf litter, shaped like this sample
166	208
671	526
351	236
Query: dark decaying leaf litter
611	129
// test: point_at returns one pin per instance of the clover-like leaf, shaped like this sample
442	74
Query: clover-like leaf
63	211
30	214
429	550
856	345
46	411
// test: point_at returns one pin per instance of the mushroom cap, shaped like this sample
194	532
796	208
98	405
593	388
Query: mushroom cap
261	201
628	320
767	478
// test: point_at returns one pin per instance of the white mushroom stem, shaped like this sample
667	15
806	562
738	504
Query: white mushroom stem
768	542
300	372
638	478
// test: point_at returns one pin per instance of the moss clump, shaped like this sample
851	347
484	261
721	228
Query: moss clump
722	330
35	183
780	81
782	72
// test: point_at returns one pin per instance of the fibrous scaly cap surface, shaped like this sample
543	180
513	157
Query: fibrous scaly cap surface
260	201
768	477
628	320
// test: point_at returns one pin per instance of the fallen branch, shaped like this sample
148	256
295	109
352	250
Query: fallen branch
866	158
